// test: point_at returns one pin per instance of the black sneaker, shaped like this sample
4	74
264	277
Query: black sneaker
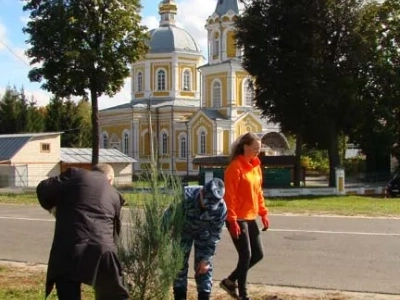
230	287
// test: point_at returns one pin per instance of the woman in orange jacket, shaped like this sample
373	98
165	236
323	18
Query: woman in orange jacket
245	201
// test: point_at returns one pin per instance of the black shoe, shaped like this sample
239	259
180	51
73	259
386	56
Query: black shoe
203	296
179	294
230	287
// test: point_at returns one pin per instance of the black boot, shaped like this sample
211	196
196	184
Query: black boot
203	296
179	294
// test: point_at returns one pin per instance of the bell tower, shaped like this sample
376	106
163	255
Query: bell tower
221	32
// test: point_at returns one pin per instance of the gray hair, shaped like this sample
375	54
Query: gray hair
106	169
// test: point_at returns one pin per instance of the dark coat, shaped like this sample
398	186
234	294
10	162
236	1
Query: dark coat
87	224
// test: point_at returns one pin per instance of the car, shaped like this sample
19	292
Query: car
393	186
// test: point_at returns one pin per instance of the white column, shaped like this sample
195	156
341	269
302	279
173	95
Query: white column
175	76
147	76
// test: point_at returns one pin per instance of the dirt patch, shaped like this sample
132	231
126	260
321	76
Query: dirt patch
16	274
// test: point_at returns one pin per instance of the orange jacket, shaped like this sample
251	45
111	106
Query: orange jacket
243	190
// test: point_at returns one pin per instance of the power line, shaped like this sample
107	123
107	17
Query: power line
13	52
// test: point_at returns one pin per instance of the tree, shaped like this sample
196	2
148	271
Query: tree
84	47
378	130
303	56
66	116
17	114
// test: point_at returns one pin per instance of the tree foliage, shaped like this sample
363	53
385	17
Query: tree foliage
70	118
84	47
18	115
378	130
304	57
151	255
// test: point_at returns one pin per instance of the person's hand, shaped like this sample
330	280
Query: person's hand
265	222
202	268
234	229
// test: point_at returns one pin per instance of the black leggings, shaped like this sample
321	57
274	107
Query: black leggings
250	251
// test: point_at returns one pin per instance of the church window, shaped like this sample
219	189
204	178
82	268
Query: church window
202	147
161	80
216	48
105	140
216	94
164	143
215	45
182	147
231	44
187	80
125	142
248	91
139	81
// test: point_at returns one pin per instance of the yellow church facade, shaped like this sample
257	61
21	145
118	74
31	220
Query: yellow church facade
190	105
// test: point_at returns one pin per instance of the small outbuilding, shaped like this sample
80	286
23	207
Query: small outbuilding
82	158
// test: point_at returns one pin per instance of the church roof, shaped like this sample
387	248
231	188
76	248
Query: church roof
223	6
212	114
159	102
167	39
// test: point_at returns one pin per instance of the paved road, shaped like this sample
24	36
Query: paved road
354	254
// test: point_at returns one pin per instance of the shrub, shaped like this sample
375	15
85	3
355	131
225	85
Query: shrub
150	253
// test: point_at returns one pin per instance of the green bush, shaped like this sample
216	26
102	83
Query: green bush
354	166
151	254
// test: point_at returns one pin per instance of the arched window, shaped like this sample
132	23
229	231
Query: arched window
104	140
139	81
164	143
202	143
187	80
216	44
216	94
125	142
182	146
248	92
161	80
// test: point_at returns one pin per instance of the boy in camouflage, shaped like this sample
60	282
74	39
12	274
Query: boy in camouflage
205	213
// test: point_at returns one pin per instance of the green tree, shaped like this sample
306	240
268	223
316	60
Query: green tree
85	128
151	255
65	116
378	130
35	118
303	56
14	111
84	47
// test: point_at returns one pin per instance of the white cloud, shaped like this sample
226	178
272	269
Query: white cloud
41	97
192	16
151	22
123	96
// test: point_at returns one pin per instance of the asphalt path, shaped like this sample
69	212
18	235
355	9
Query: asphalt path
325	252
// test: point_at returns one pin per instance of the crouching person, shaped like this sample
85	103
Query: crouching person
84	248
205	213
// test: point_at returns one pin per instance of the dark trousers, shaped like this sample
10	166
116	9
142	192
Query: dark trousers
250	251
68	290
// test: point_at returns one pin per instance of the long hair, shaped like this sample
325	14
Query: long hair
238	146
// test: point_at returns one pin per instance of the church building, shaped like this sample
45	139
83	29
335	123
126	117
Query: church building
191	105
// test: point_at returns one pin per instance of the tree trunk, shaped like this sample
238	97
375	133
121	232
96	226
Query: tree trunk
95	125
297	164
334	159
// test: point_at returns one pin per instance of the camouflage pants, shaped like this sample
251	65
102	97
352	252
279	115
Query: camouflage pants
203	281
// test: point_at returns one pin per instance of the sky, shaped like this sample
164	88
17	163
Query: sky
14	65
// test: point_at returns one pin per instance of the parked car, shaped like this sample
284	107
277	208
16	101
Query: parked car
393	186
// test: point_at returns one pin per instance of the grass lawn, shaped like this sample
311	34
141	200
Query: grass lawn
351	205
21	282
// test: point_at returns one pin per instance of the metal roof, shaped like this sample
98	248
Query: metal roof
84	155
10	144
223	6
168	39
